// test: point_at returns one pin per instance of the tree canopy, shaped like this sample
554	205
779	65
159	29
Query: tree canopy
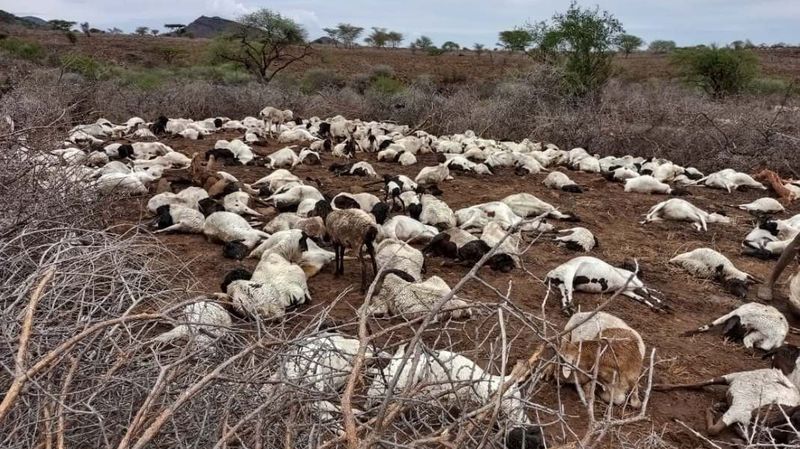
515	40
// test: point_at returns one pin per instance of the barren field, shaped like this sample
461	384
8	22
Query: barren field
610	214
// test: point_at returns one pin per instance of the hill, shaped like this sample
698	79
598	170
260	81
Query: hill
29	21
209	27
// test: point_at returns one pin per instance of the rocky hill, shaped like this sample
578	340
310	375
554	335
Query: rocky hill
209	27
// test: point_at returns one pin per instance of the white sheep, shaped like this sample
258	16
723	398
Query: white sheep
284	157
432	175
407	229
729	179
560	181
436	212
276	286
682	210
314	259
577	239
308	156
149	150
526	205
229	227
747	392
707	263
202	321
757	325
189	197
398	255
133	183
364	201
241	151
275	117
238	203
290	244
763	206
590	274
294	195
276	180
593	323
494	232
296	135
178	218
647	184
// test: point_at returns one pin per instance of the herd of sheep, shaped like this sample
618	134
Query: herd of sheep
392	234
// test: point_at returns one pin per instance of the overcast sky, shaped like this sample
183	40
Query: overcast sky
463	21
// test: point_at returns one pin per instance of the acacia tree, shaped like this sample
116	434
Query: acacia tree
515	40
450	46
582	41
628	43
348	33
378	37
177	28
332	33
394	38
61	25
264	43
142	31
478	48
154	32
662	46
422	43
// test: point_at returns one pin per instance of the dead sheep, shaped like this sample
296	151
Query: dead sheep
577	239
432	175
526	205
201	322
283	158
787	359
286	199
560	181
313	226
436	212
177	218
650	185
592	275
289	244
729	179
763	206
238	203
134	183
677	209
404	228
149	150
494	233
755	325
308	156
748	391
441	375
398	255
460	245
615	354
276	286
709	264
276	180
234	231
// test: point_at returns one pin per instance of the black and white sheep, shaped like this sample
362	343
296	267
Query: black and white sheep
577	239
681	210
560	181
756	325
709	264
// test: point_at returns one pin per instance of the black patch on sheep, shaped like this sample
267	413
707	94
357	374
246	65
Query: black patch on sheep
432	189
574	246
646	171
443	226
345	202
324	129
125	151
503	263
321	209
769	225
229	188
571	217
385	144
223	155
759	253
472	252
525	437
631	266
217	122
265	191
381	212
163	217
733	329
209	205
783	358
519	171
458	168
312	159
737	287
302	244
441	158
159	126
235	250
238	274
694	176
415	210
340	169
327	145
397	156
610	176
360	171
572	188
440	245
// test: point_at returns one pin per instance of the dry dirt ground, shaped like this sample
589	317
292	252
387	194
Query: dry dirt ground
612	215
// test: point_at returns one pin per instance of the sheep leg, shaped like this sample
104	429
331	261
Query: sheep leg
713	428
174	228
363	269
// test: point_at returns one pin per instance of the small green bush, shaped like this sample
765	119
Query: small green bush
84	65
768	86
318	79
385	85
382	70
718	71
22	49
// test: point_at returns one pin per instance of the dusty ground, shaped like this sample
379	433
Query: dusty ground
608	212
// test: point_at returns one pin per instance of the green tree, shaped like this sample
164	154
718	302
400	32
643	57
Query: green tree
265	43
662	46
394	38
450	46
332	33
628	43
421	43
61	25
114	30
142	31
154	32
479	48
718	71
515	40
86	29
378	37
582	42
177	28
348	33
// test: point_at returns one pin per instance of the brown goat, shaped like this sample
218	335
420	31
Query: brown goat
619	365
